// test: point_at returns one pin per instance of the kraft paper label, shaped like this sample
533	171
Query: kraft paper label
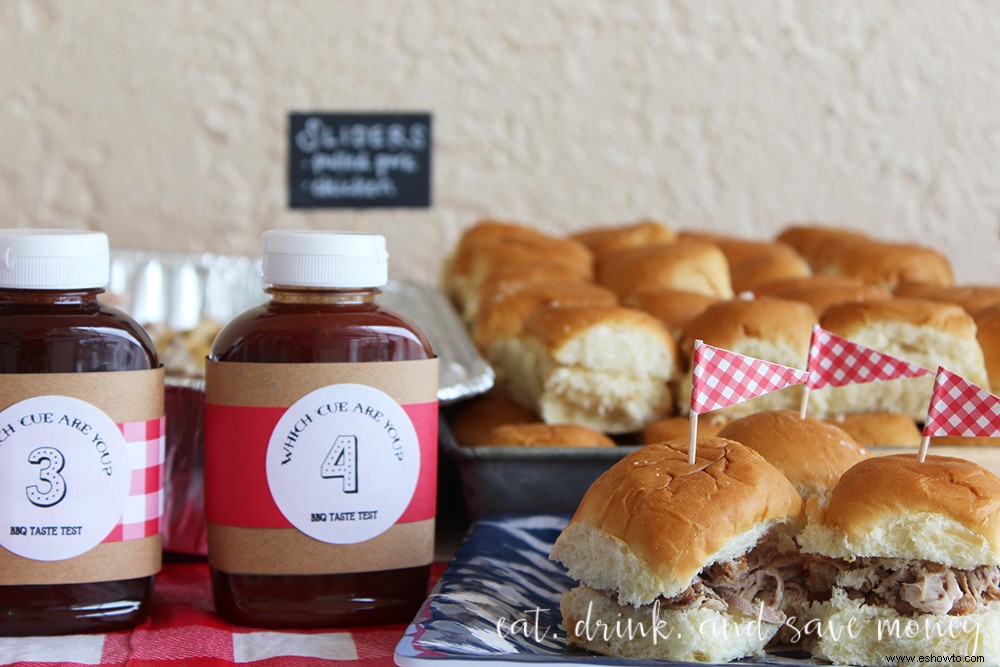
335	472
67	472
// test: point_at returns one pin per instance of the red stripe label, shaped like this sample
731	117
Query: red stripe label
236	443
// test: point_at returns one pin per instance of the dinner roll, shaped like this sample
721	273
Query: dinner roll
973	298
887	429
509	278
889	264
673	428
546	435
988	335
817	242
754	262
926	333
472	420
821	292
812	454
694	266
503	315
775	330
491	245
674	307
604	367
605	239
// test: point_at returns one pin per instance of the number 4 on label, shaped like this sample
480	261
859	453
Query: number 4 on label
342	462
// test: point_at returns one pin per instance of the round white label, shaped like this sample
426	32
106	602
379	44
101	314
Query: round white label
343	463
64	477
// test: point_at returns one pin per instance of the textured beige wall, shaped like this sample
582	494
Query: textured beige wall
163	123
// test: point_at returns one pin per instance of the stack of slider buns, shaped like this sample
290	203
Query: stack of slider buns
596	329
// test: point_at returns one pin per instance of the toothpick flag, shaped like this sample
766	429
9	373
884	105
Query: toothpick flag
960	408
722	378
835	362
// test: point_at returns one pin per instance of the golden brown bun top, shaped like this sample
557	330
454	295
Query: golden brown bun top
673	428
546	435
472	421
673	516
509	278
674	307
555	327
821	292
988	334
694	266
494	247
503	315
602	240
739	250
724	323
781	263
874	491
848	317
887	429
811	453
973	298
779	286
818	242
890	264
496	231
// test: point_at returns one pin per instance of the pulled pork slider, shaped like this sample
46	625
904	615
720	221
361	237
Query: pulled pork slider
903	558
812	454
700	549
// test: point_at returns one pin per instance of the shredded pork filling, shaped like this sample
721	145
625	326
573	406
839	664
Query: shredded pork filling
908	586
764	582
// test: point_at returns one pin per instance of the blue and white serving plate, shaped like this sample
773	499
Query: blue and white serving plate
498	602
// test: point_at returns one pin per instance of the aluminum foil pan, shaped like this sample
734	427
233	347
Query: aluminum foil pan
178	292
172	292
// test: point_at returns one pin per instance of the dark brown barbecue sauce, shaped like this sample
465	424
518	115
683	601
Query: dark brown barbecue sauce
315	326
57	331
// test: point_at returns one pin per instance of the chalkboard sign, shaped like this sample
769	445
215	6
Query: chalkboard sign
359	160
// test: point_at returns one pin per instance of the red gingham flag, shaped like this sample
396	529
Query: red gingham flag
723	378
836	361
961	408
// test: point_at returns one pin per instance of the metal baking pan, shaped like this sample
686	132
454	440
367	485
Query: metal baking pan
553	480
526	480
177	292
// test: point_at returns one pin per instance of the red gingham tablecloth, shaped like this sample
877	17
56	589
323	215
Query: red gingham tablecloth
183	630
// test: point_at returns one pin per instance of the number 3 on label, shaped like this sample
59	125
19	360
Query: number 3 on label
342	462
50	461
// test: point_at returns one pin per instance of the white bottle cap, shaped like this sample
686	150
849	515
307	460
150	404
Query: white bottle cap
339	260
53	259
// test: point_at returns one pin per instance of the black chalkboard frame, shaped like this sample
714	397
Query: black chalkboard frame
360	160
